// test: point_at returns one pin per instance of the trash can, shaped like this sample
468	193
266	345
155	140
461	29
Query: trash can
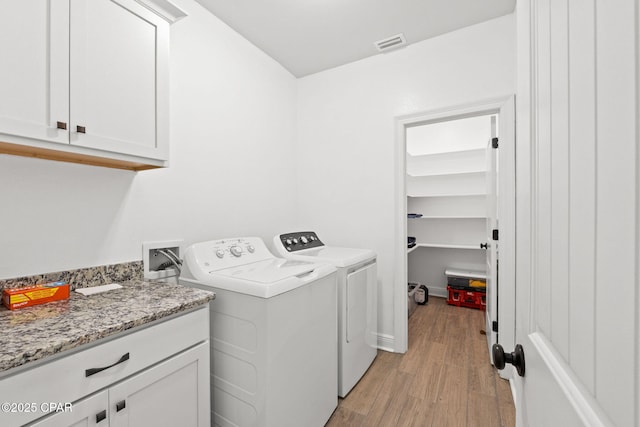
418	295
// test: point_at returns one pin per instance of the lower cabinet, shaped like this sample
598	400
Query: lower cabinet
157	375
164	395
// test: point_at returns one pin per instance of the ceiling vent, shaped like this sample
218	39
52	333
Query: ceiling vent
391	43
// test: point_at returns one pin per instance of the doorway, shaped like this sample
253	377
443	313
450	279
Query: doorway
455	199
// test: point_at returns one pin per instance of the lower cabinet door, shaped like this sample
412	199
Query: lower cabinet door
91	411
173	393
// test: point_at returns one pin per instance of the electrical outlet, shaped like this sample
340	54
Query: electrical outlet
153	261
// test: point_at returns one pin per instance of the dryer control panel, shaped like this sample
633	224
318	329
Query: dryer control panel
300	240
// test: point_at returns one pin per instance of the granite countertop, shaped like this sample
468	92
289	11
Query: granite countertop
36	332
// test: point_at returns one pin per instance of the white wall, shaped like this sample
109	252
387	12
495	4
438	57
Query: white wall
234	118
346	132
232	144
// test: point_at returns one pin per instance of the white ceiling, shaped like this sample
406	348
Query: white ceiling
308	36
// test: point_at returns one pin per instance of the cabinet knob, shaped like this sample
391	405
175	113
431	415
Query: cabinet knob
121	405
100	416
81	129
483	246
61	125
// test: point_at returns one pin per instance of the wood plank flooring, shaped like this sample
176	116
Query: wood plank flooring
445	379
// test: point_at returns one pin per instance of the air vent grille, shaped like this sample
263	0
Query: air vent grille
391	43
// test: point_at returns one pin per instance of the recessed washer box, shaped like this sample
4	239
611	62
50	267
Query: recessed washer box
152	263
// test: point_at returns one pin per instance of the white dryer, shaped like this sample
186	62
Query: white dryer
357	301
273	334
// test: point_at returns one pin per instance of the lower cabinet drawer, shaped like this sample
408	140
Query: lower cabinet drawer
174	392
68	379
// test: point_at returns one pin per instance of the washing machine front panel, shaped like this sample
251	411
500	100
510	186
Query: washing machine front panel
260	347
272	319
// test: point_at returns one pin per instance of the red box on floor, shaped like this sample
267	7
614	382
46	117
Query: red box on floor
466	298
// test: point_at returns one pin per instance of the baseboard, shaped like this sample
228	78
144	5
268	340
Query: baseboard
387	342
438	292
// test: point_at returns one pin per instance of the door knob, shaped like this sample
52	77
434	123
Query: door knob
516	358
484	245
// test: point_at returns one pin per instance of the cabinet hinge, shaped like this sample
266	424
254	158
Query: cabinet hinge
494	142
495	234
494	326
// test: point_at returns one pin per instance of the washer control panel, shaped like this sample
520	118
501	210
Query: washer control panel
225	253
301	240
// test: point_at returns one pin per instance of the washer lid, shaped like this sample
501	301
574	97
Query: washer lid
339	257
264	279
268	271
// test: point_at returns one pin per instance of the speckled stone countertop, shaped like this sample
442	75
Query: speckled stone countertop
33	333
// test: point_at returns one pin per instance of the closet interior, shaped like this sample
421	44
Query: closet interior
449	198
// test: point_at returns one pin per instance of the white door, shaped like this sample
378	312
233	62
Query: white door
500	314
34	76
117	52
492	245
577	213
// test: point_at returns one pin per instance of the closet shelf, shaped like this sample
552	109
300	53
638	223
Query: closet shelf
443	246
441	154
448	195
457	173
449	217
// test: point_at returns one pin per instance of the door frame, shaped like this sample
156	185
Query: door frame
506	305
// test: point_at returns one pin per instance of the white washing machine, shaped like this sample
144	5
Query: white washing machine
357	301
273	334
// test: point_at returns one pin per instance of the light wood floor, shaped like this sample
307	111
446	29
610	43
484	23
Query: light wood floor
445	379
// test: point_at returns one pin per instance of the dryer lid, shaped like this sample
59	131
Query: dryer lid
339	257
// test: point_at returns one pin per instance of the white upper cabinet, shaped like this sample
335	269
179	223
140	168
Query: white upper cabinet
118	58
34	78
89	75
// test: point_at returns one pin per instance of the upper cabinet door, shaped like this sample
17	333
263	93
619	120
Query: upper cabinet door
118	78
34	76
